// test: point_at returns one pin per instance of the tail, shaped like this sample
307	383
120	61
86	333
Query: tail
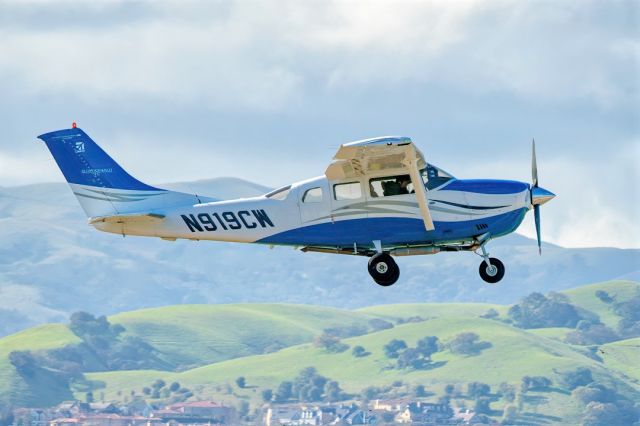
102	187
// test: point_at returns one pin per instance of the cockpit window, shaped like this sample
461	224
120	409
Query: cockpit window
280	193
433	177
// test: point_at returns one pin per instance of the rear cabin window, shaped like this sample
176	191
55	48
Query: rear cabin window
391	185
313	195
347	191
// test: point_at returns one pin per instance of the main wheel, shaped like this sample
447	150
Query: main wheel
383	269
494	273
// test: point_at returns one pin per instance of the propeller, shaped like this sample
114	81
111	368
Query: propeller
539	195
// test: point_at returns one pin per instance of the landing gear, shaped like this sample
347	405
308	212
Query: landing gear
493	272
383	269
491	269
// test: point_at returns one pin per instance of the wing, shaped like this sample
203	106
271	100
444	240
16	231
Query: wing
393	154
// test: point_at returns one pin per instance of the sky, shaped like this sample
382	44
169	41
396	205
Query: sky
268	90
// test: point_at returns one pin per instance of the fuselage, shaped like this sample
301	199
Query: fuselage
322	213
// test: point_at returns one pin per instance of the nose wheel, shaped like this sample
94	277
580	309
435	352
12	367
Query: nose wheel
383	269
493	272
491	269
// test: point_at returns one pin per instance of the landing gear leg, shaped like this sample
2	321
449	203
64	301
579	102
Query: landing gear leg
491	269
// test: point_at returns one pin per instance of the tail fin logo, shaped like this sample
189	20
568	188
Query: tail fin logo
79	147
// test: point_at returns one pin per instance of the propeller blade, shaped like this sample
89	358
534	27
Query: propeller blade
534	164
536	215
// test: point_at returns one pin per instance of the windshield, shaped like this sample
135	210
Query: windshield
434	177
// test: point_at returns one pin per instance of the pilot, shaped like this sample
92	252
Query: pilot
398	186
403	182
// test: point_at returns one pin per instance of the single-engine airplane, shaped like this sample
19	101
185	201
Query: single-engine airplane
378	198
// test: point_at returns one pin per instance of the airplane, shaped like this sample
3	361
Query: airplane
379	198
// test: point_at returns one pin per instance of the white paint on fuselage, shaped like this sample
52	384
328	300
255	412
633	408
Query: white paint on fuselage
291	213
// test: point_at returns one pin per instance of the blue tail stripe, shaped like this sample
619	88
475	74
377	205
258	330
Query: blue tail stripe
83	162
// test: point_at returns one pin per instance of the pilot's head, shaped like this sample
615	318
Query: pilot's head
403	181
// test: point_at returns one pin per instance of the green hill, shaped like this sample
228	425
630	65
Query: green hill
585	297
38	387
189	335
209	346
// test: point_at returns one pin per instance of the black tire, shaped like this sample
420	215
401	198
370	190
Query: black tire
492	276
383	269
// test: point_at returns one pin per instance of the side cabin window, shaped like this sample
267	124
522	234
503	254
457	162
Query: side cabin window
391	185
347	191
280	193
313	195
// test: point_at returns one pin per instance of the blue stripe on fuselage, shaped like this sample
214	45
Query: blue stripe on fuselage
393	231
486	186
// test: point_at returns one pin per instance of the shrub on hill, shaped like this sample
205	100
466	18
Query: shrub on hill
467	344
490	314
629	310
359	352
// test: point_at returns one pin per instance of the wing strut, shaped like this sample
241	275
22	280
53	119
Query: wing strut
418	185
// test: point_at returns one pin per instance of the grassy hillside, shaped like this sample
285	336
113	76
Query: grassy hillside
585	297
202	334
514	353
38	389
212	345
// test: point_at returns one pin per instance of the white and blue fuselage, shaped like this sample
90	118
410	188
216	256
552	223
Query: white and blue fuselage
373	203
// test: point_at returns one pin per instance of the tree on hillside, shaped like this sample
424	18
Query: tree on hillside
604	296
598	414
490	314
359	352
581	376
467	343
420	391
477	389
392	349
427	346
284	391
174	386
378	324
158	384
629	310
332	392
587	333
593	392
267	395
330	343
241	382
538	311
482	405
534	382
